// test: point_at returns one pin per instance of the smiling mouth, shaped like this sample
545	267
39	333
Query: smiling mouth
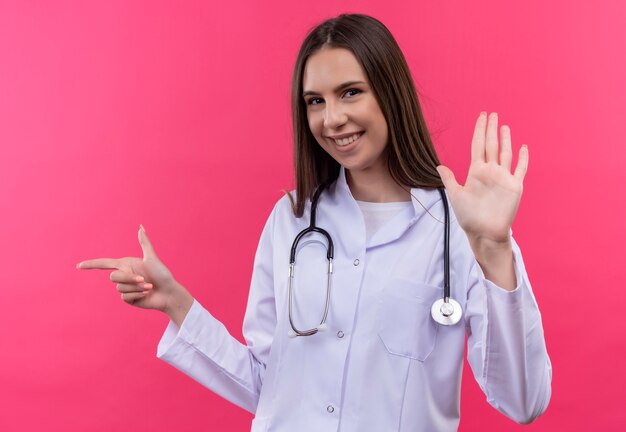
347	141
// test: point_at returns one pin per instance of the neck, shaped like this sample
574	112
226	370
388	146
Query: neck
376	186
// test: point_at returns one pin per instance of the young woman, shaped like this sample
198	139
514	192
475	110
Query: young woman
349	328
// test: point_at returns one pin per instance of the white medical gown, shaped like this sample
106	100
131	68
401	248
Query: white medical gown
383	364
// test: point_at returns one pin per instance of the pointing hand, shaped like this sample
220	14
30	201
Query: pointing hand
143	282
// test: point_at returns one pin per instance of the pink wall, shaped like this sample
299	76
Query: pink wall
176	115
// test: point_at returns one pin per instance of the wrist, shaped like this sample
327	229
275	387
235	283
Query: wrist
178	303
486	249
496	261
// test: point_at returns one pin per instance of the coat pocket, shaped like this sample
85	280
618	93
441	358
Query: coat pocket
405	326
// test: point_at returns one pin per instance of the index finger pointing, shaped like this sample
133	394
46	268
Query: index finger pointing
99	263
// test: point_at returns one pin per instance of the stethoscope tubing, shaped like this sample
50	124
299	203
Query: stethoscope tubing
446	247
445	311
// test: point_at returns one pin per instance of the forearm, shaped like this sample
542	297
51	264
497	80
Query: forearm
516	374
506	346
203	349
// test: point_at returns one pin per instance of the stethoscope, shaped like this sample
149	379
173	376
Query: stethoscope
445	311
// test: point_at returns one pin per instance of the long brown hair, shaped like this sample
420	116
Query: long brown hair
410	153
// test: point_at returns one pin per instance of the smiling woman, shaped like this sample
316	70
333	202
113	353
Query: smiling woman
363	75
367	171
344	115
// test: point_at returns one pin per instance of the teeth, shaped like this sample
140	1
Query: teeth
346	141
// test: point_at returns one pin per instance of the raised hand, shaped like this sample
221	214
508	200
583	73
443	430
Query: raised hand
486	205
143	282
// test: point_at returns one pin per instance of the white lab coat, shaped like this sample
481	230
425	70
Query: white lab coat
383	364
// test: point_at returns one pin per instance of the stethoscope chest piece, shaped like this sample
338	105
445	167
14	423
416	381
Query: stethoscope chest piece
446	313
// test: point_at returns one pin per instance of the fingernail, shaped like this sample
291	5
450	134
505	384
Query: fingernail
145	292
142	228
483	113
139	279
147	286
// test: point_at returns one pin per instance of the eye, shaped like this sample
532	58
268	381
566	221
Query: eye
314	101
352	92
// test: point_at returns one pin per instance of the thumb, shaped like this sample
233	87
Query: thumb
146	245
448	179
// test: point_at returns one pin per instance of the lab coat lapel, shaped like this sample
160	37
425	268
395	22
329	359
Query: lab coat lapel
344	217
422	200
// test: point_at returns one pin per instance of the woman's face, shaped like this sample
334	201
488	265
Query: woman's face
342	110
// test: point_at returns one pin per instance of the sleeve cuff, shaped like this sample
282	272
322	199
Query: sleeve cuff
173	332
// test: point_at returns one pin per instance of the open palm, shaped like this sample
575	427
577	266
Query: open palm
486	205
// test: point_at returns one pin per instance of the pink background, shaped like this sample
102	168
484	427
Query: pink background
176	115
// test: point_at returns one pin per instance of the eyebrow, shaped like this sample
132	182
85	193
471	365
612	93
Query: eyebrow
336	89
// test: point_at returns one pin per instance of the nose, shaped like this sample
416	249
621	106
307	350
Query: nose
334	116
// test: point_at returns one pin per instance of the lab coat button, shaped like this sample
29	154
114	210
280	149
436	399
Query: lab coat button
339	334
356	262
330	409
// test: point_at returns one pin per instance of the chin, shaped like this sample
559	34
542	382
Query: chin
355	166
